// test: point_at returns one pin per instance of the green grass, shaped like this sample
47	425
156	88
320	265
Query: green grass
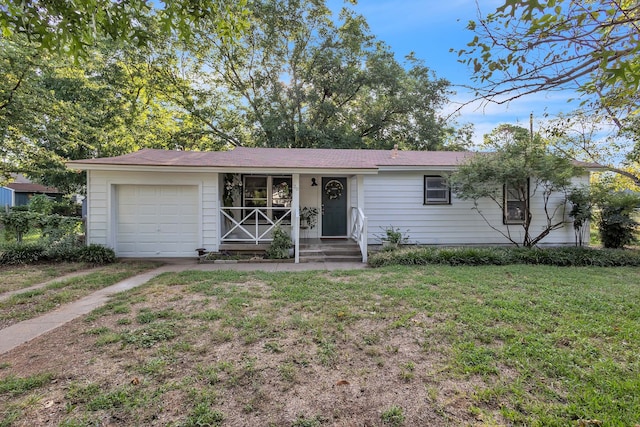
14	386
29	304
509	345
18	277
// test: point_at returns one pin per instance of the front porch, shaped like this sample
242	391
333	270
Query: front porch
315	211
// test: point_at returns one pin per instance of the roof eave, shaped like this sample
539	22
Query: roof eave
219	169
418	168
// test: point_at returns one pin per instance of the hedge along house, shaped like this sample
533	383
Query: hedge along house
158	203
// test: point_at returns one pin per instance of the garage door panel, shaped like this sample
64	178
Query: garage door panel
157	221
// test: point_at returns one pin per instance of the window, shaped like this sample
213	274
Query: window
436	191
273	193
515	203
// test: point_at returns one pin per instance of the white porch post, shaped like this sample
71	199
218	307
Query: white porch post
365	226
360	181
295	215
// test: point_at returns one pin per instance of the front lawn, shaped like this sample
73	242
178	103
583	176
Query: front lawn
435	345
32	303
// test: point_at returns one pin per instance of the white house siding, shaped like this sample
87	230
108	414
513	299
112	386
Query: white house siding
396	199
103	199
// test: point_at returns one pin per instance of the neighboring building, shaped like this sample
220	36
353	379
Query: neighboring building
20	191
157	203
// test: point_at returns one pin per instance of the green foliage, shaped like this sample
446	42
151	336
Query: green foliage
203	415
526	47
60	27
581	212
17	254
302	421
96	254
280	244
615	223
517	50
344	88
16	222
54	227
522	162
122	397
561	256
111	105
393	237
393	416
41	204
309	216
14	386
61	251
150	334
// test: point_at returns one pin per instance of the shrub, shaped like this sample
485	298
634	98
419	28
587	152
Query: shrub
41	204
17	222
561	256
17	254
96	254
393	237
280	244
64	250
617	228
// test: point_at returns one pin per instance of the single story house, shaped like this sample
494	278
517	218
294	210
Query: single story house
160	203
21	190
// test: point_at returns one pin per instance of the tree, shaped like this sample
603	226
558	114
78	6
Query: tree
530	46
518	171
51	110
299	79
589	46
76	26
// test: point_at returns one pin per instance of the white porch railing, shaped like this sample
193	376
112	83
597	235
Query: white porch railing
359	230
256	224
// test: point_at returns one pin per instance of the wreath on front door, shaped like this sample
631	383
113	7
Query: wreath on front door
333	189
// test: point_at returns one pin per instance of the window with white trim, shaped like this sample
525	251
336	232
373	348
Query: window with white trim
515	203
273	193
436	190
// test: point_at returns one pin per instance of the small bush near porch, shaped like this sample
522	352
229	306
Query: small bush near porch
434	345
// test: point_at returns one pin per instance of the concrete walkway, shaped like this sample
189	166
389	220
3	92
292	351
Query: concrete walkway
20	333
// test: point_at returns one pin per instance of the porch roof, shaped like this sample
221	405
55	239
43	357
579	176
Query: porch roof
281	158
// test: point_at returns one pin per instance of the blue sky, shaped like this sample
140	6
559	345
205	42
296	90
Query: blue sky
430	28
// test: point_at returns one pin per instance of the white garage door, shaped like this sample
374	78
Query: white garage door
157	220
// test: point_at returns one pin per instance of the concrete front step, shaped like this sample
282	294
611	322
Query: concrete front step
332	258
330	252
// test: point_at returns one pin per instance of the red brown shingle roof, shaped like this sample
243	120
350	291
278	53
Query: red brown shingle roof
284	158
29	187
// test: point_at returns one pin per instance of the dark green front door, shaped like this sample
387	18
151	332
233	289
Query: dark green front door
334	207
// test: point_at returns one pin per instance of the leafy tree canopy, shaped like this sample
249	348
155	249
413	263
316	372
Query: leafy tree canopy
52	111
75	25
591	47
527	46
523	163
298	78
